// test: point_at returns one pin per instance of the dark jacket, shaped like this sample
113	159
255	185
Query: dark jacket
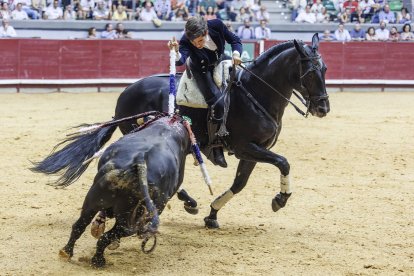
202	58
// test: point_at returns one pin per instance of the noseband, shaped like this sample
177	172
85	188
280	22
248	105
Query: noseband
315	66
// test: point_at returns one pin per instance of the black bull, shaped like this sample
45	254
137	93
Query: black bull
137	175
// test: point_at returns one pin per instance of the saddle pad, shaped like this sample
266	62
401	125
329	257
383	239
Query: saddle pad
188	93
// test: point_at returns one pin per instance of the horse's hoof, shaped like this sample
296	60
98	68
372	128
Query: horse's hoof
98	262
279	201
211	223
97	229
64	256
190	209
275	205
114	245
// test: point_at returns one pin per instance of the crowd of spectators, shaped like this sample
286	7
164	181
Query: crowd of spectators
349	11
141	10
382	33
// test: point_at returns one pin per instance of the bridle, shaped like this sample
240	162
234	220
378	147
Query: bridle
306	100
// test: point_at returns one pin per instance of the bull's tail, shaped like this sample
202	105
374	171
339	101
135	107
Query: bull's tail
154	221
69	162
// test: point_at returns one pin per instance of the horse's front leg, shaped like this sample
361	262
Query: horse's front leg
244	170
253	152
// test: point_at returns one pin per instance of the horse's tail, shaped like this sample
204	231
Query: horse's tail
69	162
152	228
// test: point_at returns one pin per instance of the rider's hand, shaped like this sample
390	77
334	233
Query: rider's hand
236	58
173	44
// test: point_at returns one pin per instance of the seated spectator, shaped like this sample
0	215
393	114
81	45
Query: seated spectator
69	13
234	8
210	14
262	14
5	13
163	9
53	12
317	7
345	17
406	33
245	31
358	16
19	13
404	16
367	8
109	32
327	36
120	14
121	32
242	15
306	16
394	35
92	33
180	15
6	30
193	6
371	35
229	26
382	33
203	7
323	17
351	5
342	34
27	7
357	33
263	32
87	7
386	15
148	13
39	6
101	12
295	7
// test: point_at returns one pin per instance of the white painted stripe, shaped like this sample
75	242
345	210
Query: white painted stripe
129	81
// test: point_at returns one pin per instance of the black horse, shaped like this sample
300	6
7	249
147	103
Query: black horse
137	175
258	99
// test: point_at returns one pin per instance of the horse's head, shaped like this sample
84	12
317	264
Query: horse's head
312	77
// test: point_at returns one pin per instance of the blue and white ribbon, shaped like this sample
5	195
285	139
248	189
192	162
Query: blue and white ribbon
171	97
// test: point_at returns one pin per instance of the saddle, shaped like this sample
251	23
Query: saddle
188	93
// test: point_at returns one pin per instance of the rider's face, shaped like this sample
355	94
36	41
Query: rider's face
199	42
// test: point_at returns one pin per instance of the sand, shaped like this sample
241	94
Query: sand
351	211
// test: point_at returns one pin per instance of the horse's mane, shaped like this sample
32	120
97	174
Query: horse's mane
276	50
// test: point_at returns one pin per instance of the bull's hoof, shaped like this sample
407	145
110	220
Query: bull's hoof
211	223
98	262
114	245
190	209
279	201
97	228
64	256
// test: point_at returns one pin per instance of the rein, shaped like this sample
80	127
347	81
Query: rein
305	103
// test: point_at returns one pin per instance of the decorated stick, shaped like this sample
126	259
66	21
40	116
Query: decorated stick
197	156
171	96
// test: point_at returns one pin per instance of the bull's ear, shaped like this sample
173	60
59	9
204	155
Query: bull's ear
299	48
315	42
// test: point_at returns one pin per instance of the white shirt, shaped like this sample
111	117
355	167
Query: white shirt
19	15
382	34
9	32
53	14
306	17
342	36
262	33
210	43
147	16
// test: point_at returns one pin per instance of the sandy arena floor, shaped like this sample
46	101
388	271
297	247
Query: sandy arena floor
351	211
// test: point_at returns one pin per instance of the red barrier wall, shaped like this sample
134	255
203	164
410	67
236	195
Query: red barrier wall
96	59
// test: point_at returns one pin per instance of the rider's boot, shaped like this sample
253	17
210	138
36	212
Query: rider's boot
216	117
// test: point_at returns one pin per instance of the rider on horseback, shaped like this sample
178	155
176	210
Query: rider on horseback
203	42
